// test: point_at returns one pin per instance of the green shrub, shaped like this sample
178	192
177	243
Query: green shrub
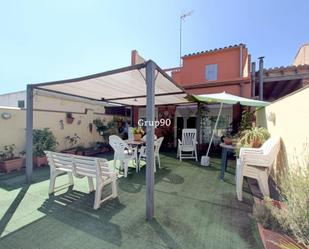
264	216
247	118
105	128
294	188
43	140
291	216
8	152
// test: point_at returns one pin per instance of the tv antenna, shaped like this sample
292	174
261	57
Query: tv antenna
182	18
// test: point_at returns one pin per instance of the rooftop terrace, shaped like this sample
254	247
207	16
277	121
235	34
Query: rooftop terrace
193	209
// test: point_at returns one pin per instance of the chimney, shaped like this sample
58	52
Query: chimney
253	79
261	79
136	58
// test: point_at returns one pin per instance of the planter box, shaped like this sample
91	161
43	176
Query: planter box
80	153
105	149
70	151
12	164
39	161
274	240
91	152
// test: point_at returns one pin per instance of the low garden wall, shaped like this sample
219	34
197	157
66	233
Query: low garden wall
50	112
289	118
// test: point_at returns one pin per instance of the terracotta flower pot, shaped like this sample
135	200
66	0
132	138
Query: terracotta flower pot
256	144
228	141
39	161
12	164
137	137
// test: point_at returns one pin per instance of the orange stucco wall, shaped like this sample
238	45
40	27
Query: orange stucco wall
229	79
235	89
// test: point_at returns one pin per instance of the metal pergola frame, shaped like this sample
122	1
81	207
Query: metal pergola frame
151	67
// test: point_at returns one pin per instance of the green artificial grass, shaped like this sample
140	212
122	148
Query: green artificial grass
193	209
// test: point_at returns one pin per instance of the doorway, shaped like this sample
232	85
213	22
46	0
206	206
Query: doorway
190	124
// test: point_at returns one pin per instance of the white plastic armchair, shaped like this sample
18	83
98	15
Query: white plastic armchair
157	146
122	152
187	145
256	163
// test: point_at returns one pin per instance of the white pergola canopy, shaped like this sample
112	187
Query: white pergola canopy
124	86
144	84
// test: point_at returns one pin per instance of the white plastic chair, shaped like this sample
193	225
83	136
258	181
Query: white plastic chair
187	145
256	163
144	138
157	146
122	152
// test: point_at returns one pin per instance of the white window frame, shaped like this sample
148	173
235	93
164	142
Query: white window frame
211	72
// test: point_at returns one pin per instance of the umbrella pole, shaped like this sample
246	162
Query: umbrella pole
213	132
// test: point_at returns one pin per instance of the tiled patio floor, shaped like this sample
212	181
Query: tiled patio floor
193	209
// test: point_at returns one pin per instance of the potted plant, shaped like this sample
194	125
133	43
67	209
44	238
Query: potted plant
101	127
69	118
228	138
276	228
72	141
43	139
8	160
138	133
247	119
105	129
254	137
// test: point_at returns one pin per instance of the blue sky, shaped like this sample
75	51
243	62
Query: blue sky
58	39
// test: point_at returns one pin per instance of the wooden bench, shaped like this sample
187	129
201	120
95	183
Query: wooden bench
82	166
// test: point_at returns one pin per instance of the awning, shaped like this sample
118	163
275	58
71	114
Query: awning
123	86
144	84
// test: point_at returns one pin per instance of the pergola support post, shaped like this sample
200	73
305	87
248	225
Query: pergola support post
198	122
29	134
150	163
